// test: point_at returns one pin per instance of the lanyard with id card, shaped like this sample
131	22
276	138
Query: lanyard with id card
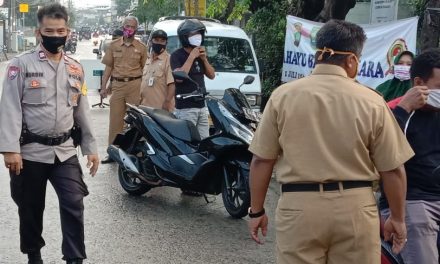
151	81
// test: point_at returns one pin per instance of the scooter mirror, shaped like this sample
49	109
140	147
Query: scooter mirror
181	75
248	79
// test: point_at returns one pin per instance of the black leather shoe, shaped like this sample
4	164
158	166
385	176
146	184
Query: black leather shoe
74	261
107	160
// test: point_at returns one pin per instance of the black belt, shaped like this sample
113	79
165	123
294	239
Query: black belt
29	137
125	79
329	186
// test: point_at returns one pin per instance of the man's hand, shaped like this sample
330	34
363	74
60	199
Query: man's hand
415	98
195	53
167	105
13	162
104	92
202	52
395	232
93	163
255	224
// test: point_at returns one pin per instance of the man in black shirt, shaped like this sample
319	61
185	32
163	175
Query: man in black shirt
192	59
418	114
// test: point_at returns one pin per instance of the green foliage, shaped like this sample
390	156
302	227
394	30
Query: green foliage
419	6
122	6
267	27
152	10
219	7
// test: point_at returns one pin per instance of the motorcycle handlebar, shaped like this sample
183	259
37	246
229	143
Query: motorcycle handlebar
189	95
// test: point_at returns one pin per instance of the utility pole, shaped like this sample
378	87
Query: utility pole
14	15
9	26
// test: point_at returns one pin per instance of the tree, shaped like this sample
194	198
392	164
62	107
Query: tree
122	6
150	11
267	25
316	10
71	12
430	31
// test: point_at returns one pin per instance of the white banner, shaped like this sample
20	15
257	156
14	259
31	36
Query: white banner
384	42
383	11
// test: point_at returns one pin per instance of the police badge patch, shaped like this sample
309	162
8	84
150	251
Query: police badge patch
13	72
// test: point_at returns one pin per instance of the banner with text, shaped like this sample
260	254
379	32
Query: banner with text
383	11
385	41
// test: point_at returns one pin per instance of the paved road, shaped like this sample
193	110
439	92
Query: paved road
159	227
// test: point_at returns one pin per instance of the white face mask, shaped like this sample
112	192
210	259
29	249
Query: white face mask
195	40
434	98
401	72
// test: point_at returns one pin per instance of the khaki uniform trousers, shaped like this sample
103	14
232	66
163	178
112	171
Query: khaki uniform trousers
122	93
337	227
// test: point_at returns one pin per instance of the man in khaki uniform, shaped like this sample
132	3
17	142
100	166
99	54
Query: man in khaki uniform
124	61
44	95
331	137
157	88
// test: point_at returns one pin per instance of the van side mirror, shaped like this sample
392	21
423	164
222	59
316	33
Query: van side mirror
248	79
96	51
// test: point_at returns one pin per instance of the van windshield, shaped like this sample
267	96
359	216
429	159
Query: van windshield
224	54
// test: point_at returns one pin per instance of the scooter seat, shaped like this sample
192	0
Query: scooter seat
181	129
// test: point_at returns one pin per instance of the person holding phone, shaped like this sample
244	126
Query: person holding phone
192	59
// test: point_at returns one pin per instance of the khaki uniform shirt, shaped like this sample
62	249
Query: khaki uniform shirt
327	127
156	77
48	100
126	60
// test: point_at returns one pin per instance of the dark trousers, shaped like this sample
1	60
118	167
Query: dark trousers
28	190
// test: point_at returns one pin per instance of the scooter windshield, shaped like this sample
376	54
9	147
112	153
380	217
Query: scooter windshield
235	101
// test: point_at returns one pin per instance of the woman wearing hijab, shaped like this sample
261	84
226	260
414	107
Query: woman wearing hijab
401	82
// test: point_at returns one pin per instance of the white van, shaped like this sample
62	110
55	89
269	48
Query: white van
229	51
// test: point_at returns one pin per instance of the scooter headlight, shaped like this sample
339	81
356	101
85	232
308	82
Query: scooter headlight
239	129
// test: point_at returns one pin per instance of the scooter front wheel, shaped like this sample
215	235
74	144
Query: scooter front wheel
130	184
235	192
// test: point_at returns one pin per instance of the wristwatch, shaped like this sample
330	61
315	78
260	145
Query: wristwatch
257	214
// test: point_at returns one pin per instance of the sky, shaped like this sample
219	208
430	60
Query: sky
89	3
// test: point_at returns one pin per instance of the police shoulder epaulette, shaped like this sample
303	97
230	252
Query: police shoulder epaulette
25	53
70	58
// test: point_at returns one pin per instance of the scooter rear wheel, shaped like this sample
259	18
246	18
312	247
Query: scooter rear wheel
235	192
131	185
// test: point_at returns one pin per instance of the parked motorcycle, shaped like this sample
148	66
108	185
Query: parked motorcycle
70	45
157	149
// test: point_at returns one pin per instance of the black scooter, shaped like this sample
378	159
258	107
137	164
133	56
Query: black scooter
71	45
156	149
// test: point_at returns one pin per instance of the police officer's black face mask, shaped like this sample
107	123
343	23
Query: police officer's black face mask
53	44
158	48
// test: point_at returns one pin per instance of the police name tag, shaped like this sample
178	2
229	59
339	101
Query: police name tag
151	81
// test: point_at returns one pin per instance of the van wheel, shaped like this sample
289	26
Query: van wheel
131	184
